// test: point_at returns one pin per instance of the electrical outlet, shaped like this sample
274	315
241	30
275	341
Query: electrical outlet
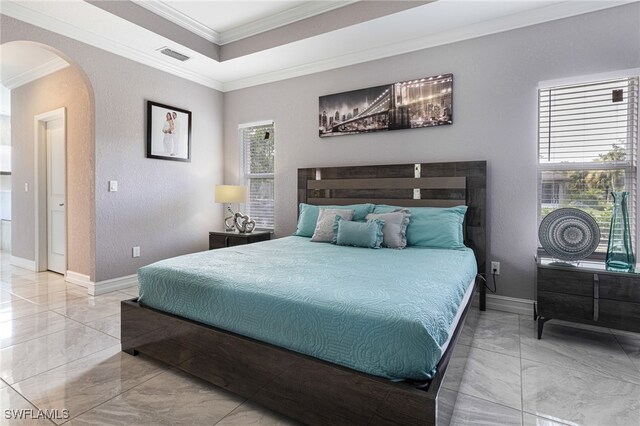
113	186
495	268
136	251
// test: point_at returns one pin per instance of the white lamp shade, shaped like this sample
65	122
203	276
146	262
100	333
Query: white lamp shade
230	194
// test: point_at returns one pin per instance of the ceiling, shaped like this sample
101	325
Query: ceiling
24	62
230	14
237	44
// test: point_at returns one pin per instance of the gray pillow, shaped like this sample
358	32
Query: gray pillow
324	225
395	227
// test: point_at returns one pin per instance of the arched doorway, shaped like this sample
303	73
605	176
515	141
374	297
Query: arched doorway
52	156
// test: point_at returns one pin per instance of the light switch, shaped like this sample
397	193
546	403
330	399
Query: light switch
136	251
113	186
26	187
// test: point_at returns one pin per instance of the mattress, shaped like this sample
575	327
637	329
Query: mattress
384	312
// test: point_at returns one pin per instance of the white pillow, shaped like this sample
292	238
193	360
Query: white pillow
324	226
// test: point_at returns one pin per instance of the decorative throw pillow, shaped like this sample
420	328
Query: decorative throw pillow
437	227
395	227
324	228
309	213
359	234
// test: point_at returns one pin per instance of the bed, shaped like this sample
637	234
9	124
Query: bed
291	335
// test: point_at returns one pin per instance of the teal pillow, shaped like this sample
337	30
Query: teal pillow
437	227
359	234
309	216
324	228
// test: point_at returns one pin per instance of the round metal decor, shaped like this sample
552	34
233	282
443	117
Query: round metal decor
569	234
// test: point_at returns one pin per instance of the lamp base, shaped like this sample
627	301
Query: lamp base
229	224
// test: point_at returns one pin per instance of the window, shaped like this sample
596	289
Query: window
257	157
587	139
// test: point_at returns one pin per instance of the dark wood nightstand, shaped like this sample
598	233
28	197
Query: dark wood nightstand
229	239
587	293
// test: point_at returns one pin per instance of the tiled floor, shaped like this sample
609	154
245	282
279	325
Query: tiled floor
59	350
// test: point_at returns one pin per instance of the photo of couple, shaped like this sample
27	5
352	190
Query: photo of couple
171	131
168	132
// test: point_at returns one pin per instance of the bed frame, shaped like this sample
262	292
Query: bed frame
306	388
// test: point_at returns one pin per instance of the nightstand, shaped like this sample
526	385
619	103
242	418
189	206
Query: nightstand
587	293
229	239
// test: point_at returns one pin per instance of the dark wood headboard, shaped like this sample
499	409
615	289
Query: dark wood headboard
406	185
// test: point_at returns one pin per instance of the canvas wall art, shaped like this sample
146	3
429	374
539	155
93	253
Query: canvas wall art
424	102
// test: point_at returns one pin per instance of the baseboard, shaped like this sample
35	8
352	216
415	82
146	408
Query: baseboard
510	304
106	286
23	263
79	279
101	287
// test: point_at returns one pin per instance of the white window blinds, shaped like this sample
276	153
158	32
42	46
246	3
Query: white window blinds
258	152
587	145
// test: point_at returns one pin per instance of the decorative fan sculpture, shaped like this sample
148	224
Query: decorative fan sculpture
569	234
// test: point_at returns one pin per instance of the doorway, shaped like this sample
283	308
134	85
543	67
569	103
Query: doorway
50	191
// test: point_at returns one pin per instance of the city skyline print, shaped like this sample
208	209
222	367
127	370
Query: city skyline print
411	104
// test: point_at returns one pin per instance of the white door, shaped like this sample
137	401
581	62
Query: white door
56	185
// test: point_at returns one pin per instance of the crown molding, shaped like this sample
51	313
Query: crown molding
35	73
493	26
188	23
305	10
258	26
21	11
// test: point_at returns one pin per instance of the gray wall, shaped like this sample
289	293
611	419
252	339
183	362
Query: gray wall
64	88
165	207
495	94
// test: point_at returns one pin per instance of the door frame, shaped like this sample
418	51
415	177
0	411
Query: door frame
40	185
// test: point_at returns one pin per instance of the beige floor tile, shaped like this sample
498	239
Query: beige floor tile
575	397
59	299
81	385
252	414
41	288
170	398
493	377
630	343
27	359
30	327
90	309
470	411
7	296
109	325
18	411
131	291
580	349
18	308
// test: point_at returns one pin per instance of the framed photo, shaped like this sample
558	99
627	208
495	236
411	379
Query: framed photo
168	132
423	102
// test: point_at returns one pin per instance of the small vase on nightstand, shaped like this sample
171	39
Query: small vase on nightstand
619	251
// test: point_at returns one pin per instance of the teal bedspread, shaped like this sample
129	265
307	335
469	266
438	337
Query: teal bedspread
384	312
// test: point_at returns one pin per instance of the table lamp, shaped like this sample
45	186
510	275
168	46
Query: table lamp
230	194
